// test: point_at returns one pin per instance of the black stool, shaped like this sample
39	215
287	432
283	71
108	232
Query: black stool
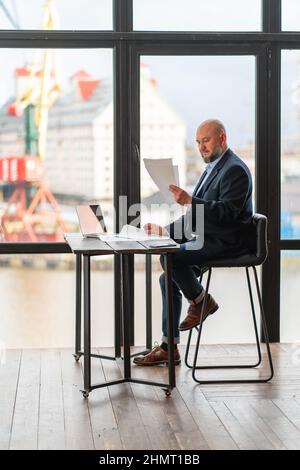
251	260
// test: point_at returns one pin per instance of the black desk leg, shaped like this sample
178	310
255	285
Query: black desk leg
118	304
78	307
126	314
87	323
170	319
148	302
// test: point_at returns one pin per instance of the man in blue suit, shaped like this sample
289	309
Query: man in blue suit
224	192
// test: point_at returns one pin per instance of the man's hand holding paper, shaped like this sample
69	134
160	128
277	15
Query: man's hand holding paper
180	195
154	229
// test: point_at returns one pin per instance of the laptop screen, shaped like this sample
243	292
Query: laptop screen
91	219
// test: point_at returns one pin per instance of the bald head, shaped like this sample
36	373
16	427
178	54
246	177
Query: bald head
211	139
214	124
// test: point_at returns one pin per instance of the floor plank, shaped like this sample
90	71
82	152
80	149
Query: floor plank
212	428
160	433
26	411
291	408
263	437
281	425
105	429
41	406
51	432
9	376
182	422
172	414
133	432
78	429
239	434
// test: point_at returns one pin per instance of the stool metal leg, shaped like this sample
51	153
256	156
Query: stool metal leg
198	328
200	325
215	381
237	366
264	325
254	320
187	349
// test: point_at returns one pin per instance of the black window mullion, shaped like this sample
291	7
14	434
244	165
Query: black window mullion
271	178
290	244
122	20
123	15
271	16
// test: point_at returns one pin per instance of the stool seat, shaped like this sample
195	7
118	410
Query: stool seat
243	261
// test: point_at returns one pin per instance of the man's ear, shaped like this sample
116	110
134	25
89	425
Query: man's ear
223	138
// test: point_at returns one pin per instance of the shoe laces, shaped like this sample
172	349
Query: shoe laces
155	345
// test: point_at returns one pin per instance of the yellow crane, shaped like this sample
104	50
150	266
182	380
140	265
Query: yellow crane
42	89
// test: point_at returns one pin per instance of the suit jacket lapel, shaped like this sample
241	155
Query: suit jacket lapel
199	183
209	180
214	173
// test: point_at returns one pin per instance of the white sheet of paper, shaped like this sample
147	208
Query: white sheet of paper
136	233
176	173
132	233
163	173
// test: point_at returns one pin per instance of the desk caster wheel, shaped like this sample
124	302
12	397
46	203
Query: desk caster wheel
167	392
76	357
85	394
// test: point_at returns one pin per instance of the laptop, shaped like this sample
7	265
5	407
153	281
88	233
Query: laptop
91	220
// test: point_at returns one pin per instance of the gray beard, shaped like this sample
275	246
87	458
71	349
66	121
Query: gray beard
213	157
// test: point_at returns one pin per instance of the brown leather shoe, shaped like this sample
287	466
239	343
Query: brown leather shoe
156	357
194	312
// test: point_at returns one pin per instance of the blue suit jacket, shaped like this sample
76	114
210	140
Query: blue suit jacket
226	196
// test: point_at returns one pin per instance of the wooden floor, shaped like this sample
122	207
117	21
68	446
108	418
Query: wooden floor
41	406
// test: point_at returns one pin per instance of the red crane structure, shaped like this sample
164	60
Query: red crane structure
32	212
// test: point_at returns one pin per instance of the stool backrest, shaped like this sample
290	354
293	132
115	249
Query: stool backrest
260	223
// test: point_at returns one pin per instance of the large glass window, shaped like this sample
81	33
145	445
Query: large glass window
56	14
290	15
50	162
290	145
56	140
290	279
38	301
197	15
177	93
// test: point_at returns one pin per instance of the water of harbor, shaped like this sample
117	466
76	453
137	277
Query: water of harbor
38	306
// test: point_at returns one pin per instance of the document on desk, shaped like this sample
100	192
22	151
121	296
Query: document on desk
129	232
163	173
